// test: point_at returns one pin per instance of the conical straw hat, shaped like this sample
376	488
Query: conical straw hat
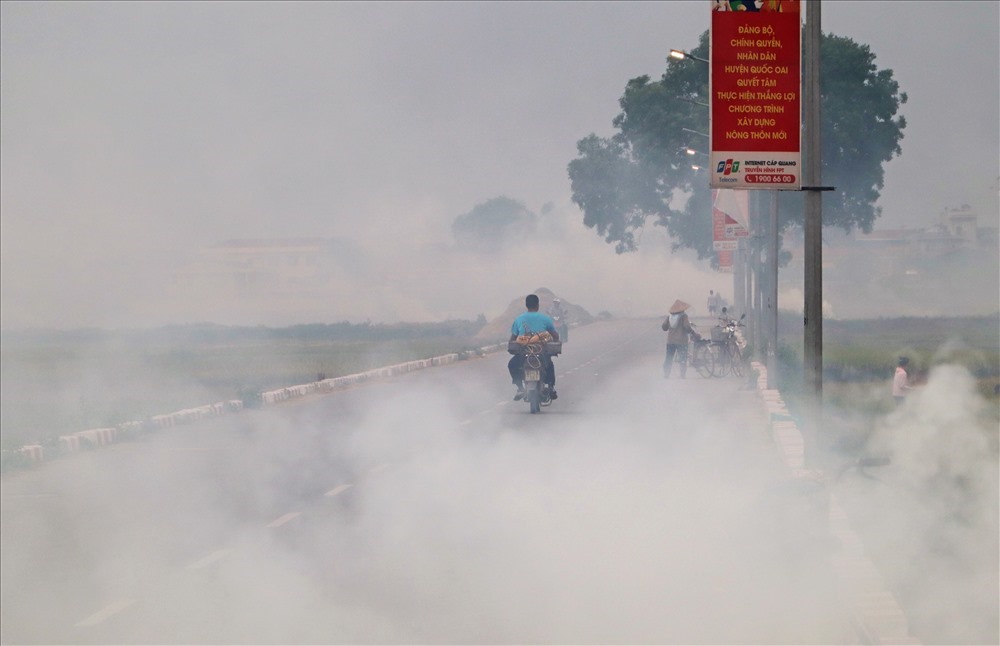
678	307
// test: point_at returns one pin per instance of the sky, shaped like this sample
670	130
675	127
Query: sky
136	134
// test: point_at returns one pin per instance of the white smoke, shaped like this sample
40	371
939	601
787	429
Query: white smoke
930	520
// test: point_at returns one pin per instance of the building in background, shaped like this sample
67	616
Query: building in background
951	267
254	268
275	280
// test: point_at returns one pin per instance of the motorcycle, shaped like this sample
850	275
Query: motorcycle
561	327
537	353
728	329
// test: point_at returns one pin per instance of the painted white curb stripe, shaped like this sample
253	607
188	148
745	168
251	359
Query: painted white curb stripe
208	560
102	615
339	489
284	519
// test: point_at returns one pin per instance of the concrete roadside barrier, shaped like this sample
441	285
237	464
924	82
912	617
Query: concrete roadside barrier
161	421
98	436
279	395
790	443
34	452
878	616
69	443
129	430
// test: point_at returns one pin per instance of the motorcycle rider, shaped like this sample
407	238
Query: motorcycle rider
532	322
558	315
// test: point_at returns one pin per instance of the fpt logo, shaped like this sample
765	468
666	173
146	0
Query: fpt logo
728	167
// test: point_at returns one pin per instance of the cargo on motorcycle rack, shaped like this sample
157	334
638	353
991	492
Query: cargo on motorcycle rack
536	350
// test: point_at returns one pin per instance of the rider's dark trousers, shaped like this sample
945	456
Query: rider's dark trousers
516	368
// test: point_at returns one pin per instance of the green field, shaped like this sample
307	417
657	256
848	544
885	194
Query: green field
55	383
859	359
865	351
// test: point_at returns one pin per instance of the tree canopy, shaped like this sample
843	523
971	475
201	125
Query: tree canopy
643	171
489	226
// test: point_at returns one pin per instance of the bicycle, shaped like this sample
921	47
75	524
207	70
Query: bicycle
701	356
728	349
697	355
730	359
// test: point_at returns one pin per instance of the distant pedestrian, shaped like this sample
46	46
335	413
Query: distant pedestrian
713	302
678	327
901	381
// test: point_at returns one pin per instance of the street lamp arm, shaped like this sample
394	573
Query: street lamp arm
680	54
693	101
700	134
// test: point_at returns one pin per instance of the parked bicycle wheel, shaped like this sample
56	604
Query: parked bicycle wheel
736	360
703	359
723	364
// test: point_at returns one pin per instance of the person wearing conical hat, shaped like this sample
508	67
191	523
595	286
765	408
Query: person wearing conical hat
678	328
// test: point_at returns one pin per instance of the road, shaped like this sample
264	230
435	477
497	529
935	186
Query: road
431	508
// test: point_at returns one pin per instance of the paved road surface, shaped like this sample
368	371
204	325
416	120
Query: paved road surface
432	508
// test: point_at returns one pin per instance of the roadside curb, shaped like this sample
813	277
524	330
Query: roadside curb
878	617
279	395
35	454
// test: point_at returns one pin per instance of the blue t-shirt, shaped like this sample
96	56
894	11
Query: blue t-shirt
532	323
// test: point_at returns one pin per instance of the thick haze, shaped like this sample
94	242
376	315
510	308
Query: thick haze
136	134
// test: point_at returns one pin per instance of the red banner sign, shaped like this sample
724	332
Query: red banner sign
725	261
755	87
730	211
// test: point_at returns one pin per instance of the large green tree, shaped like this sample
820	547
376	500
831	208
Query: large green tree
644	171
493	224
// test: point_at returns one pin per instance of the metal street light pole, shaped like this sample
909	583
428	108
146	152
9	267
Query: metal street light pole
756	275
746	277
772	294
813	274
743	273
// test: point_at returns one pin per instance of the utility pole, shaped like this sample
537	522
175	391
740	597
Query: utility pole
739	279
812	178
772	294
758	276
753	278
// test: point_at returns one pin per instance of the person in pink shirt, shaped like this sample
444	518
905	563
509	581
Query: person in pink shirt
901	381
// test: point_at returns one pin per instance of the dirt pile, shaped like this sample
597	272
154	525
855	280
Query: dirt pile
498	329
